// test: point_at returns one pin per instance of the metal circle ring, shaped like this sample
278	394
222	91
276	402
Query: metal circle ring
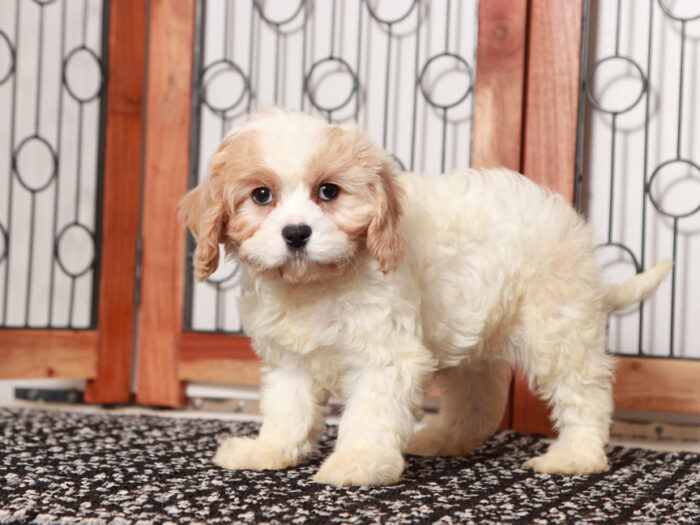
669	14
54	164
230	66
218	281
657	204
393	21
427	95
61	264
98	62
11	69
595	67
627	250
278	23
312	97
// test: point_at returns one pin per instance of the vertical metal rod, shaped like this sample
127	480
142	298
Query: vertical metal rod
581	111
618	21
444	139
57	190
226	42
78	163
13	112
332	53
645	171
302	105
195	109
218	325
277	64
71	302
85	19
359	61
39	68
680	90
251	54
447	26
672	322
415	87
613	140
387	83
30	264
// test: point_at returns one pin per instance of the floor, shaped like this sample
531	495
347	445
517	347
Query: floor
627	432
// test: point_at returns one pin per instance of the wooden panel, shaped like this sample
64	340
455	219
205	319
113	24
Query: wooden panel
551	112
122	179
166	164
668	385
499	87
48	353
218	358
499	93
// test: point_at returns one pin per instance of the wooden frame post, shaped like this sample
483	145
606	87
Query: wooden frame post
122	181
549	142
499	94
166	166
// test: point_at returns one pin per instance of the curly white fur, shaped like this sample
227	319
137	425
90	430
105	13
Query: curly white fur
404	278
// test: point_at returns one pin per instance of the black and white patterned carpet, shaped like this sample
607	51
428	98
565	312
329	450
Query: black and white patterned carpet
72	467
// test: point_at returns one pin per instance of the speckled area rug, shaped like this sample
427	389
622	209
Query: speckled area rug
76	467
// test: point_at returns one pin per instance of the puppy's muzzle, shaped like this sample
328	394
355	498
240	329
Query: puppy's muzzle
296	236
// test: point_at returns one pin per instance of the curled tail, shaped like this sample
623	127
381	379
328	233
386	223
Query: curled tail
637	289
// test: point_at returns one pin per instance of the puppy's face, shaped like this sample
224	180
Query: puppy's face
291	196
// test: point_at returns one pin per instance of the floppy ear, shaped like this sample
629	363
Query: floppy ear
203	212
384	240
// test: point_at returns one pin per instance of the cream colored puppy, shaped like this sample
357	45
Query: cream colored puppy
365	283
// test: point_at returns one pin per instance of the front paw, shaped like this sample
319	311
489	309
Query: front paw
562	461
361	466
251	454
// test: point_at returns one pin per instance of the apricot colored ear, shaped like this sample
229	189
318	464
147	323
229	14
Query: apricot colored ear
204	215
384	240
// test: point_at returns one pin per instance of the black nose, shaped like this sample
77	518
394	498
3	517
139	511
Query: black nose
296	236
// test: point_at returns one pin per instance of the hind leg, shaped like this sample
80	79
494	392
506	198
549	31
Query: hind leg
573	374
471	410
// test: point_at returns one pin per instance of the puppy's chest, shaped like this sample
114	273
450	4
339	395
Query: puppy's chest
302	325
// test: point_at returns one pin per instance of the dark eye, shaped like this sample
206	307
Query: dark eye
262	196
328	192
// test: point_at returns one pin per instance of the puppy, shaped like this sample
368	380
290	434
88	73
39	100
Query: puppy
367	284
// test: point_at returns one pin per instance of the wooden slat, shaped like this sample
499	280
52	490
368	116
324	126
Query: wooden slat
549	154
48	353
122	178
499	93
218	358
551	110
204	345
499	87
667	385
166	164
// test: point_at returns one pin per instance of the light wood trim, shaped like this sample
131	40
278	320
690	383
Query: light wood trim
221	369
166	165
122	179
48	353
499	86
549	154
665	385
218	358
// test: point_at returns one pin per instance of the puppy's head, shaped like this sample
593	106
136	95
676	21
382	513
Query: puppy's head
291	195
